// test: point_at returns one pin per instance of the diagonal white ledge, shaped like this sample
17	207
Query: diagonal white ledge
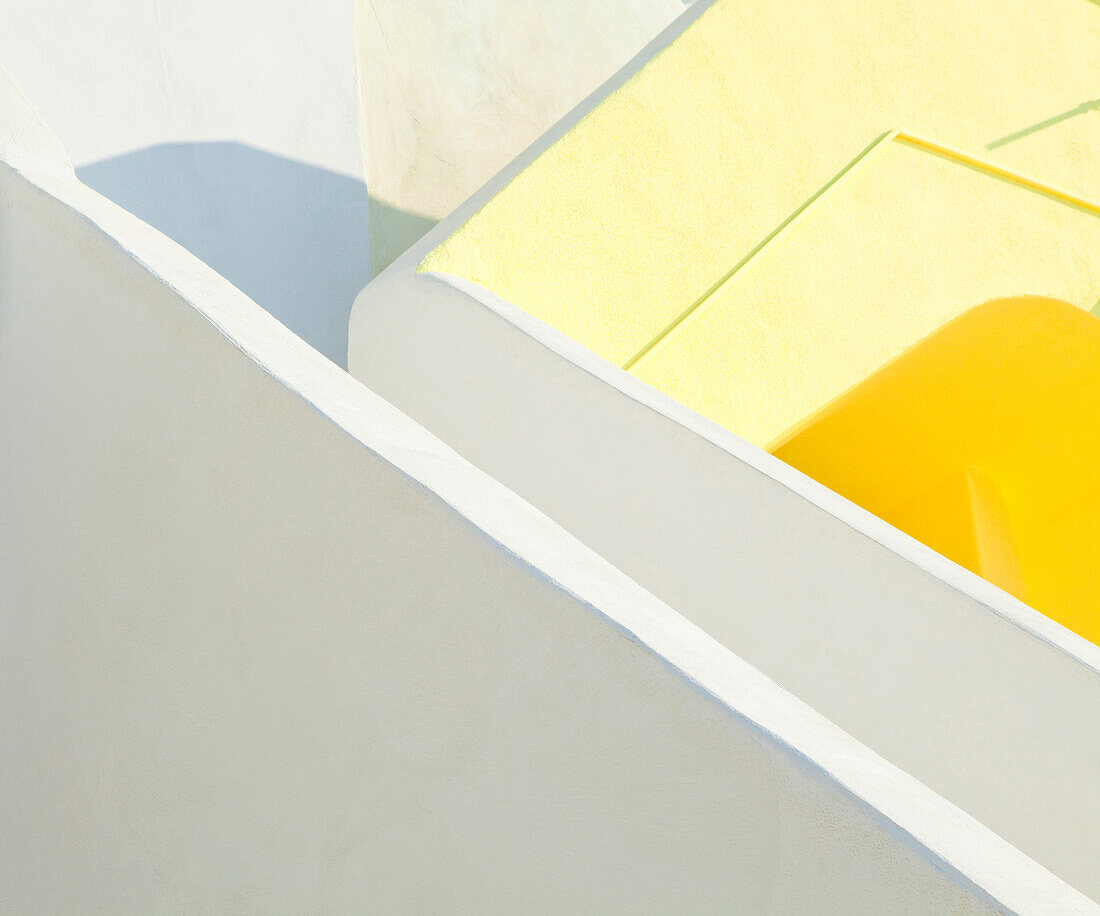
950	857
855	517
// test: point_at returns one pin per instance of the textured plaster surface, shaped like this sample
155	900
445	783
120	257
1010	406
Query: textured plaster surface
903	244
453	91
674	178
270	646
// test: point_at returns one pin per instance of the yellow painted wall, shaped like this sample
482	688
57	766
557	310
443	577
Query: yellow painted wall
981	441
905	242
639	212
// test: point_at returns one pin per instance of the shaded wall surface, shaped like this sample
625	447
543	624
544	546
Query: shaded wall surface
291	236
231	127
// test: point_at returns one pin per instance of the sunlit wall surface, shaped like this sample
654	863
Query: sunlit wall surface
768	212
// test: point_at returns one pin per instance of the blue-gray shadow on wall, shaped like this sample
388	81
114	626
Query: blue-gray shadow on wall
292	236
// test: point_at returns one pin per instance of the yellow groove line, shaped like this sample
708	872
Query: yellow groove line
700	304
998	172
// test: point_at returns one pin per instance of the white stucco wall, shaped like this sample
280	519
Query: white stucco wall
268	646
974	693
233	127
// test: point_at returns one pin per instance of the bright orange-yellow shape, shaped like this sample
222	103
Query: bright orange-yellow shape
981	441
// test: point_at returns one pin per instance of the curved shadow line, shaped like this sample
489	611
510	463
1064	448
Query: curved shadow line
293	237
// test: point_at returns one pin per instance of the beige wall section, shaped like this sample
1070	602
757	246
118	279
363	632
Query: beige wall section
978	696
452	91
270	647
232	126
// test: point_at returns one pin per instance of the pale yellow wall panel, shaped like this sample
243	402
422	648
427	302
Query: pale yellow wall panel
613	230
906	242
659	191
